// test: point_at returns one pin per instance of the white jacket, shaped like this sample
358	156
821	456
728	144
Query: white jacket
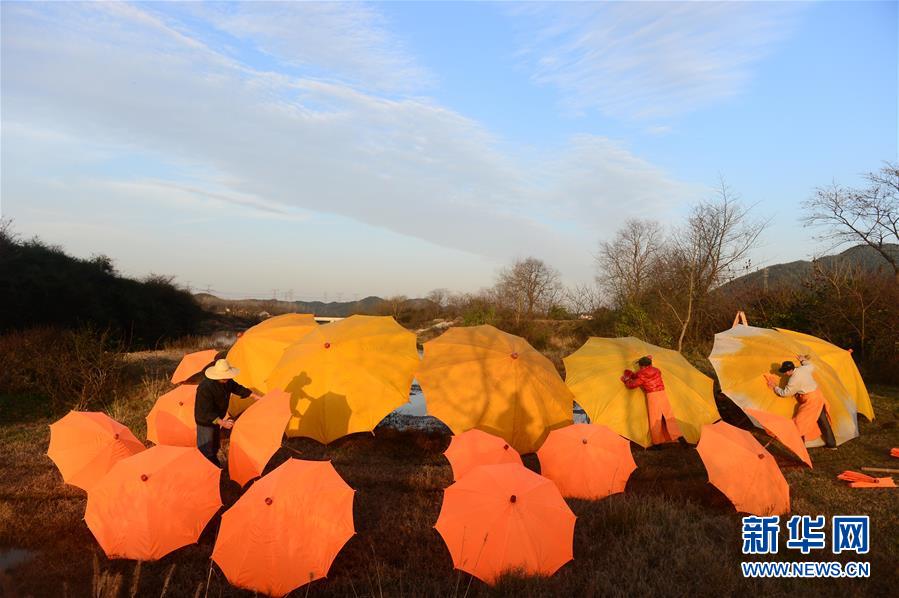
801	382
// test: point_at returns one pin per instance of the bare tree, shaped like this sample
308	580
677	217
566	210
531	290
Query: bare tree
868	215
626	262
583	299
440	297
393	306
528	286
717	238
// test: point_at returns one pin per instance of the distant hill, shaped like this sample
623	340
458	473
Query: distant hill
780	275
334	309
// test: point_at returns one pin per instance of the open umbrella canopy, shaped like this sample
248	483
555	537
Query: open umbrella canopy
192	364
593	373
743	355
258	350
256	436
171	420
481	377
286	530
474	448
743	470
153	503
587	461
346	376
843	364
85	445
506	518
783	429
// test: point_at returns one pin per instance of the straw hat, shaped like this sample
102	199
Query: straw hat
222	370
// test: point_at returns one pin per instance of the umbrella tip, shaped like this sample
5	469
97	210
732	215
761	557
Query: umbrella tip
761	455
514	356
584	440
268	500
327	345
143	477
181	403
115	436
505	447
513	498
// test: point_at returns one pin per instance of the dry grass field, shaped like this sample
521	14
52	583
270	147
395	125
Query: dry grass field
670	534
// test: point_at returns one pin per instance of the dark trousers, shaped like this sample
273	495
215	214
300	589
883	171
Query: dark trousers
826	431
209	440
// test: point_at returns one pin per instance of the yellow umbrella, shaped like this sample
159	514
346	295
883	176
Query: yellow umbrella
743	355
480	377
258	350
841	361
593	373
346	376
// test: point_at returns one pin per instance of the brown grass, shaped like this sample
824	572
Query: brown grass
670	534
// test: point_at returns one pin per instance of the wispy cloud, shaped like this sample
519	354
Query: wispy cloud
349	42
640	60
281	144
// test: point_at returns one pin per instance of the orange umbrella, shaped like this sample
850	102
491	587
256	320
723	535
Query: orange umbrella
285	531
502	518
257	435
153	503
85	445
587	461
474	447
783	429
171	421
192	364
743	470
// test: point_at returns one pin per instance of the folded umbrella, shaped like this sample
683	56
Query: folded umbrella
85	445
256	436
743	470
171	420
286	530
861	480
587	461
474	447
153	502
783	429
192	364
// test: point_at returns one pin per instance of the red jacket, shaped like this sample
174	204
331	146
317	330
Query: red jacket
648	378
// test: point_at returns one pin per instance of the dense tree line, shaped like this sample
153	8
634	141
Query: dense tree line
40	285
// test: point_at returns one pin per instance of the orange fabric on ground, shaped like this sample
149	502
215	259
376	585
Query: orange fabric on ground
807	411
192	364
587	461
474	448
662	425
286	530
743	470
153	503
85	445
503	518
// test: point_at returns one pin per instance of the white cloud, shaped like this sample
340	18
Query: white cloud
648	59
279	144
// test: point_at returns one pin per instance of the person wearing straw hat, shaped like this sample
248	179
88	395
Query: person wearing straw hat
211	406
811	409
662	425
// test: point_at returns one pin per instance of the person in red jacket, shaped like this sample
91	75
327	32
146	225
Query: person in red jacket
662	425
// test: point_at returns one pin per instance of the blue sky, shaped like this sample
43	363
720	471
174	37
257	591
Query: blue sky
342	150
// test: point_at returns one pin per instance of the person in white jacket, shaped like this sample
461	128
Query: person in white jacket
811	411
